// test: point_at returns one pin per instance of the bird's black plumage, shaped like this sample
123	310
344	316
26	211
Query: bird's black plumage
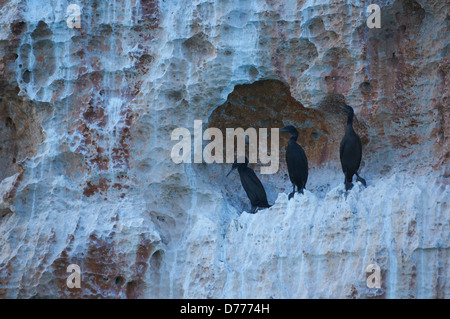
350	151
296	160
252	185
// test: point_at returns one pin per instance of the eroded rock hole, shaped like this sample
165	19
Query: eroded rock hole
156	260
269	104
26	76
119	281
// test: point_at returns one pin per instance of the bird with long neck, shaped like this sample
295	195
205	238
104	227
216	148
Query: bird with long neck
296	161
350	151
252	185
350	116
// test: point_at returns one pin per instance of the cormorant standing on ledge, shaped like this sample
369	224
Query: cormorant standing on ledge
252	185
296	160
350	151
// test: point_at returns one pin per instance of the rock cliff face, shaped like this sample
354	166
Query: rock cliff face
86	116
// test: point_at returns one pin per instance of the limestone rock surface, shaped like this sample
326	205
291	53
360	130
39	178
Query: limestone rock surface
86	176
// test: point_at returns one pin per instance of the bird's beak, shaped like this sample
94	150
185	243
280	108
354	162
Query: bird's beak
283	129
230	171
344	107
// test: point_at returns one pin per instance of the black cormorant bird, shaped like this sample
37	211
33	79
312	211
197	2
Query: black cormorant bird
252	185
350	151
296	160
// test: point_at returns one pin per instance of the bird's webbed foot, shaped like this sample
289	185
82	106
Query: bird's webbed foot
254	210
348	185
361	180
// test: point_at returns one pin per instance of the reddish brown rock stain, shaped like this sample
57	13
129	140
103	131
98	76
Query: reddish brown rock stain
102	187
391	54
120	186
121	153
92	122
99	268
150	20
135	287
103	270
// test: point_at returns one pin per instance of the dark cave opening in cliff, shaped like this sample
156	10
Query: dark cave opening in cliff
269	104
